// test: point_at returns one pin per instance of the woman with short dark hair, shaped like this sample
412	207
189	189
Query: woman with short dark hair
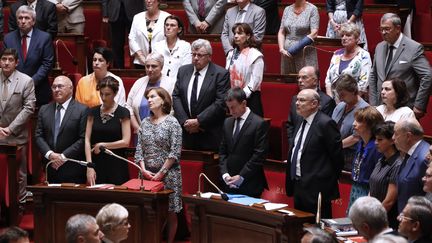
395	97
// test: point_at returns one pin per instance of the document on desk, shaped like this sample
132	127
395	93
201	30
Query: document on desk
244	200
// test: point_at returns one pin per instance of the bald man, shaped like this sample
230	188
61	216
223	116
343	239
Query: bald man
60	134
408	138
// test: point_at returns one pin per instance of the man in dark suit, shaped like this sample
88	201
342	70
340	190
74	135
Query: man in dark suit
243	148
17	104
66	140
416	220
46	15
120	13
315	158
198	99
35	52
272	15
400	57
308	79
408	138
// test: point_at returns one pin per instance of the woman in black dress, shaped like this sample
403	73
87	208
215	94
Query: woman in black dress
108	125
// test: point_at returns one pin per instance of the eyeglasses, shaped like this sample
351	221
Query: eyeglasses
57	86
199	55
427	176
401	217
385	29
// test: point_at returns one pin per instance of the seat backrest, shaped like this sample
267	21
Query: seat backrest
276	99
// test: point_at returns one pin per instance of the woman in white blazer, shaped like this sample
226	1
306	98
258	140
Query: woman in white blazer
136	101
147	28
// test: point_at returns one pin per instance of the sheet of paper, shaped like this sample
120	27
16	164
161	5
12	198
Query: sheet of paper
274	206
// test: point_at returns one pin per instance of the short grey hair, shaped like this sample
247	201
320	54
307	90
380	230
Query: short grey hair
110	216
368	210
78	225
350	28
197	44
411	125
394	18
26	9
154	56
319	235
388	238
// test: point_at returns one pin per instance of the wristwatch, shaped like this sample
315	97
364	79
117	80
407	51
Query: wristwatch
164	170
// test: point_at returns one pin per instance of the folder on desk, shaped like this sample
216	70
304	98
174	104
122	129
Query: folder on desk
153	186
244	200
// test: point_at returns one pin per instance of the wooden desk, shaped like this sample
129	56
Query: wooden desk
220	221
54	205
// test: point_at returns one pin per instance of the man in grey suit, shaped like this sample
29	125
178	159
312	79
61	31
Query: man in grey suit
120	13
400	57
70	16
198	99
205	18
243	148
244	12
62	138
17	104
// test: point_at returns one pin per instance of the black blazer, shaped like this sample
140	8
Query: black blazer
327	105
321	161
210	108
70	140
111	8
46	16
352	7
246	155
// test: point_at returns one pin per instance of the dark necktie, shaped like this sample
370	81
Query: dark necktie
193	99
296	150
24	46
237	129
389	58
57	122
201	8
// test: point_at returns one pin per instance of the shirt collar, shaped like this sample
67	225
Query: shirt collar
246	114
398	41
66	103
202	71
29	34
10	78
245	8
413	148
310	118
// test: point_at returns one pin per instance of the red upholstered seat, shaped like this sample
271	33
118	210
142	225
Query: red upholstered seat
324	54
64	59
340	206
190	171
94	28
6	13
128	83
276	192
218	56
323	23
422	21
276	99
426	120
272	58
428	55
371	22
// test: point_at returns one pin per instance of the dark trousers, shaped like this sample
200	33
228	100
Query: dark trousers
304	200
119	29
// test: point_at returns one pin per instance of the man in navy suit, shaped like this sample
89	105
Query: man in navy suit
408	138
243	148
35	52
315	158
69	141
198	99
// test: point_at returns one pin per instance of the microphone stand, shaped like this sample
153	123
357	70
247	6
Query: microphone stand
83	163
109	152
223	195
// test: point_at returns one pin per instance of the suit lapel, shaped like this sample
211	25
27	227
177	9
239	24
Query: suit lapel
33	41
11	89
243	128
66	116
397	54
310	131
208	79
187	80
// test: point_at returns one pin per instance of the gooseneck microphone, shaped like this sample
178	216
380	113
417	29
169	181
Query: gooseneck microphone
80	162
109	152
223	194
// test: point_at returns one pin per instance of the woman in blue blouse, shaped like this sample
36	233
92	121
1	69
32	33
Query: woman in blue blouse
367	154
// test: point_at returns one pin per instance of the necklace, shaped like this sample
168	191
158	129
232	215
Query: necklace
106	116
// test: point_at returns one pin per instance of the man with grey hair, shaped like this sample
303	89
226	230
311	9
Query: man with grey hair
317	235
45	16
36	61
315	159
369	217
198	99
416	220
408	138
82	228
400	57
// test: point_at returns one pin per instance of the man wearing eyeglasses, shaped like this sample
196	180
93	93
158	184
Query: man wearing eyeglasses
415	221
60	133
400	57
17	104
198	99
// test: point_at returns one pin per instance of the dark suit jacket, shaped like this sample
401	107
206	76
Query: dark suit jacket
70	140
327	105
352	7
410	65
410	176
272	15
321	160
210	108
46	16
38	63
111	8
245	156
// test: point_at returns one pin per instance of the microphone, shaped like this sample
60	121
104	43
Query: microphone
57	64
223	194
109	152
80	162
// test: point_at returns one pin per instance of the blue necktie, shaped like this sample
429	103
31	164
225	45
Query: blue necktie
296	150
57	122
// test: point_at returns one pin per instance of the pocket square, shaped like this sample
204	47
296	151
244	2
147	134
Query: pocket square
402	62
